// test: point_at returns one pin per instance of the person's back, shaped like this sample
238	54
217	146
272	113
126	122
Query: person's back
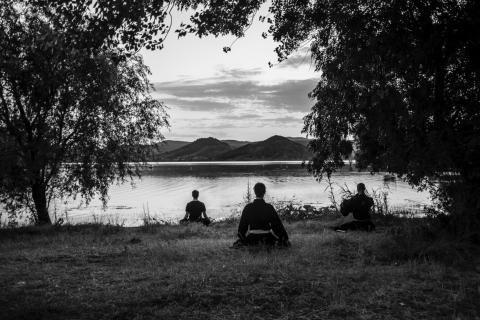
194	211
259	215
195	208
358	207
260	223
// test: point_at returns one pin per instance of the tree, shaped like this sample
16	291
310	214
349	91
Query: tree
73	90
402	78
73	114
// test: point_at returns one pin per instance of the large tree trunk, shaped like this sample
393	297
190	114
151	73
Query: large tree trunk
40	199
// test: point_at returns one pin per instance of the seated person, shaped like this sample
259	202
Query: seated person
358	208
194	211
260	223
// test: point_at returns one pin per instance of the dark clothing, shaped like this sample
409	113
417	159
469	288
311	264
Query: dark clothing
260	216
258	239
195	209
359	205
205	221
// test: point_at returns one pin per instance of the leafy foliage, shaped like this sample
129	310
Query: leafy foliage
400	78
73	90
72	116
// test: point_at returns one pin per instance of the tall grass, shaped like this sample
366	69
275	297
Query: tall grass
189	272
150	222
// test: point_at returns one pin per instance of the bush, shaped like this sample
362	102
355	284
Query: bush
291	212
422	239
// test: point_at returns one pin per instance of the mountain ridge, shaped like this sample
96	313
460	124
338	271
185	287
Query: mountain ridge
211	149
202	149
274	148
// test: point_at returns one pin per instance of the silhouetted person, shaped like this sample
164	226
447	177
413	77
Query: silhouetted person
194	211
260	223
359	207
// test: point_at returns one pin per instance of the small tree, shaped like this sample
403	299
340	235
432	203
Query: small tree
72	116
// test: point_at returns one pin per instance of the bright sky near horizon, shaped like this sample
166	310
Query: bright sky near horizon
233	95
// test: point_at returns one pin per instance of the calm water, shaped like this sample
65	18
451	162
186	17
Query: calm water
165	188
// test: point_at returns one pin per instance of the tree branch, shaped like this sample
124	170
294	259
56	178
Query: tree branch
18	100
6	118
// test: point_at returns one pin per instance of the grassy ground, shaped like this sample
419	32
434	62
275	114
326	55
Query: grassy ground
172	272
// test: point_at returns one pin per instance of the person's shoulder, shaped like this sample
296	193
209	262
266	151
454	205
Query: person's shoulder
201	203
361	197
270	207
248	205
367	198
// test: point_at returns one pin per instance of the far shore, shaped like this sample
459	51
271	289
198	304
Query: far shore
246	162
207	162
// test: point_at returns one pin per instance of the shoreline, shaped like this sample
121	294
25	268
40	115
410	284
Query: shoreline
287	209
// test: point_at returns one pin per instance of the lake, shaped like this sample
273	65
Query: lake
165	188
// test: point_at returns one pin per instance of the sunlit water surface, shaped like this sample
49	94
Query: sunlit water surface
165	188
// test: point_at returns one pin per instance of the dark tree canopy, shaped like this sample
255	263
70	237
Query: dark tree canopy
61	103
400	78
132	25
73	90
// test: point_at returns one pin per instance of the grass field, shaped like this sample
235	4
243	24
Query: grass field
401	271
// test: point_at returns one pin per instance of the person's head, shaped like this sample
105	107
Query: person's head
361	188
195	194
259	189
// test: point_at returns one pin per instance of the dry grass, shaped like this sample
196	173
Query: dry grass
189	272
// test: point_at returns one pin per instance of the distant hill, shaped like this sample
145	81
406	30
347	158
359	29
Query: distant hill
274	148
155	151
170	145
303	141
203	149
235	143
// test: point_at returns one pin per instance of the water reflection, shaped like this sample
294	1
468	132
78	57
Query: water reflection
165	189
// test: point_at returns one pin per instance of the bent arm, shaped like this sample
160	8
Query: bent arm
345	207
243	225
277	226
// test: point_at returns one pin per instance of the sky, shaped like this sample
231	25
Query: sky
234	95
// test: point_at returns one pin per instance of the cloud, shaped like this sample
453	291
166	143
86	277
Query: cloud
236	73
296	61
290	95
198	104
206	95
289	120
235	104
243	116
